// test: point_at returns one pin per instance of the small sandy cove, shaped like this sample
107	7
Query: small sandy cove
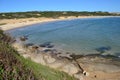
8	24
82	68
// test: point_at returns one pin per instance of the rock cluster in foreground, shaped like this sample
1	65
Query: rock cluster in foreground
89	67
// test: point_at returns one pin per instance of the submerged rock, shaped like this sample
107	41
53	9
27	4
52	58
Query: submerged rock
23	38
47	45
29	44
103	49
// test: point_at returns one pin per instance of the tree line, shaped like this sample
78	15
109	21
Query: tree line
53	14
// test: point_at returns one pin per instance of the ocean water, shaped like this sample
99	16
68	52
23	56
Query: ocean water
79	36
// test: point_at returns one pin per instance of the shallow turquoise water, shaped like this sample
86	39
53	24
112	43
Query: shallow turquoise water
80	36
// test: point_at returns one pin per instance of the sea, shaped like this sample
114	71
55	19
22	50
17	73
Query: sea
78	36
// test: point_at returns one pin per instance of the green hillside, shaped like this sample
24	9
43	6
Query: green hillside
53	14
15	67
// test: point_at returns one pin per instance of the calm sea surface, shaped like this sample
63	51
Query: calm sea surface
80	36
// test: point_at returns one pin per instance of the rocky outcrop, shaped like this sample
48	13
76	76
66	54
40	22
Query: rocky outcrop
100	68
89	67
50	59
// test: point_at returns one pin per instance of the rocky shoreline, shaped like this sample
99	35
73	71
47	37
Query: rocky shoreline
82	67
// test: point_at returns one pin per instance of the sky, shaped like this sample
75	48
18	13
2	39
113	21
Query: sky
59	5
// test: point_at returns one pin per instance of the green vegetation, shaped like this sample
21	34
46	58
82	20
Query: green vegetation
53	14
15	67
2	23
46	73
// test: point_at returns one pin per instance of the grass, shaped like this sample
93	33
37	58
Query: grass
15	67
2	24
10	67
45	72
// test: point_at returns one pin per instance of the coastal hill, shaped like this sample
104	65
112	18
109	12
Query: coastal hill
53	14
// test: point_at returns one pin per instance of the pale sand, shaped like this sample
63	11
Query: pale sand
17	23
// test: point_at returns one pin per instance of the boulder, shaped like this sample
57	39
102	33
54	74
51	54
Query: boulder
38	58
70	68
57	64
48	58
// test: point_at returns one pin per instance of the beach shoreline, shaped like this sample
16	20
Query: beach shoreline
88	67
9	24
85	67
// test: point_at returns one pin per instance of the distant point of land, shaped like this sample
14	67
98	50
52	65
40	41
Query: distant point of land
53	14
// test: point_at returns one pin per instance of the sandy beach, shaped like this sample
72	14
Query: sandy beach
8	24
89	67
